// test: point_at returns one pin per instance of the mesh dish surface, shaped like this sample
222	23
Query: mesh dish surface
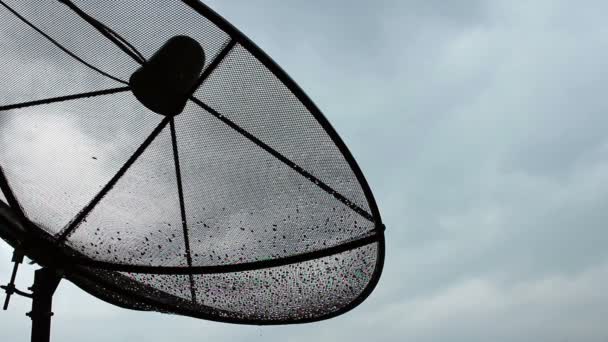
246	208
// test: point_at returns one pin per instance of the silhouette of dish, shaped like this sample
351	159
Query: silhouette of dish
209	187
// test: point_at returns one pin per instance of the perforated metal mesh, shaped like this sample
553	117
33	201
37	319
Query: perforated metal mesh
139	221
58	156
244	208
244	205
254	98
32	67
304	290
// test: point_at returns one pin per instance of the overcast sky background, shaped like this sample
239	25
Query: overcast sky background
481	128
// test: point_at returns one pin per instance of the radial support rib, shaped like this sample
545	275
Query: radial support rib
64	98
120	42
182	205
214	64
368	239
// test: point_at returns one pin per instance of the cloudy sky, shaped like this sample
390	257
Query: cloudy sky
480	126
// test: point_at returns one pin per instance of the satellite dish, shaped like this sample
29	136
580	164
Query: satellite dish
154	156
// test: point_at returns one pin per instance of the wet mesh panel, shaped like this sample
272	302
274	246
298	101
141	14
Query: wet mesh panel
175	285
149	24
58	156
305	290
131	290
32	68
108	293
138	221
250	95
293	292
244	205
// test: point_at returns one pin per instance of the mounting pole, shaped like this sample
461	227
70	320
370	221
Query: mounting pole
46	281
